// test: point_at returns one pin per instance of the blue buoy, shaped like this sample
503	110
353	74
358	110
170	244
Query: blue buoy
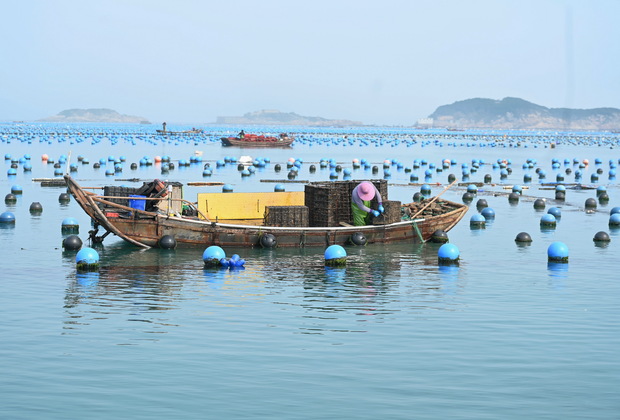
614	210
425	189
488	213
335	256
548	220
87	259
69	223
472	189
279	188
555	211
557	252
517	189
212	256
448	254
614	220
11	172
17	189
477	221
227	188
7	217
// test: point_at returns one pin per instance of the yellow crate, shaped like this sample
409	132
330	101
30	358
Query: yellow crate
245	206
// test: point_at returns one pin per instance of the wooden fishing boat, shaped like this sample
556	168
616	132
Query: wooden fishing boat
143	220
253	140
180	133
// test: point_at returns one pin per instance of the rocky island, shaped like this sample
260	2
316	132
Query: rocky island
274	117
515	113
95	115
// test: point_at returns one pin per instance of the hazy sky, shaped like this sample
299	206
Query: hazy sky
379	62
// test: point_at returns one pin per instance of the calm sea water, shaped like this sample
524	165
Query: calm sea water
393	335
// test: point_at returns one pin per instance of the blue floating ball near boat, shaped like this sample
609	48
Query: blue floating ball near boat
425	189
245	172
207	172
7	217
614	220
488	213
557	252
477	221
279	188
614	210
212	255
560	187
517	189
448	253
555	211
548	220
70	223
227	188
16	189
472	189
335	255
87	256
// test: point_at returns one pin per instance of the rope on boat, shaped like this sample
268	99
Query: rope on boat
417	230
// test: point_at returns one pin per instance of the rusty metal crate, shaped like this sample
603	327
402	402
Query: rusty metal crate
392	213
289	216
329	203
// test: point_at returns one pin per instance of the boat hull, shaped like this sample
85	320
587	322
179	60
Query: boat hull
234	141
145	229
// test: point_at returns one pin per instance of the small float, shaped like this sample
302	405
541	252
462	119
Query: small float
318	216
254	140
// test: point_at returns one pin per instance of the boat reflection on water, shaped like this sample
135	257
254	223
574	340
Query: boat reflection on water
377	282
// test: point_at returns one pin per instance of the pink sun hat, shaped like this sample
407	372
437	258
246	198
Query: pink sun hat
366	191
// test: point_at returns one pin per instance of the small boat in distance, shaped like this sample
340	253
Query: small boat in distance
180	133
254	140
142	216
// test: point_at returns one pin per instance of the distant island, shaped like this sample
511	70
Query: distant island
96	115
515	113
274	117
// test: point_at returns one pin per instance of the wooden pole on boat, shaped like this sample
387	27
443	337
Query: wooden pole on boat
433	200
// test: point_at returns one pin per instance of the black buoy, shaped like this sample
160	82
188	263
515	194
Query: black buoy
57	165
358	238
417	197
134	166
167	242
96	165
240	167
10	198
312	169
523	237
451	178
439	237
291	175
603	198
72	243
601	236
375	169
513	198
560	195
277	167
268	241
468	198
488	179
481	203
539	204
64	198
590	203
338	168
36	207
